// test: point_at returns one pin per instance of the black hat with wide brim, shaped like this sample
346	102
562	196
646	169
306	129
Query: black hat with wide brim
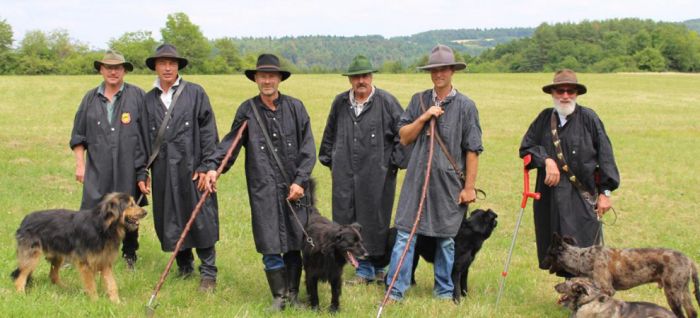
166	51
267	63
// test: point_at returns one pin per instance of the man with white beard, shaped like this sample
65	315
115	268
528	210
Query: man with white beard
576	170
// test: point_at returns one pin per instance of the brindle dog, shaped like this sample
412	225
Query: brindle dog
620	269
586	300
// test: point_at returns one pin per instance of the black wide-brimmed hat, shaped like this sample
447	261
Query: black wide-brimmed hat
565	77
442	55
113	58
267	63
166	51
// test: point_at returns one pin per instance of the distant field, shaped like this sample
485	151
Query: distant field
653	121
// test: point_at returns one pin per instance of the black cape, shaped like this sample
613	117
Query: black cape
116	154
190	137
274	229
588	152
364	155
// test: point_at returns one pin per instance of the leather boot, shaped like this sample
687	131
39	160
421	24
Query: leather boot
293	280
277	279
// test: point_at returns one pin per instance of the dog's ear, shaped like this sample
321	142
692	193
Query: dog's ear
569	240
556	238
580	289
357	227
110	208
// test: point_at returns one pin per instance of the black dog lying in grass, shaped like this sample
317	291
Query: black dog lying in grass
334	246
472	233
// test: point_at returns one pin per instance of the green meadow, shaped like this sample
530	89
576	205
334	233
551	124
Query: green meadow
653	121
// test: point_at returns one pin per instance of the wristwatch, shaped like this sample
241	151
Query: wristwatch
607	193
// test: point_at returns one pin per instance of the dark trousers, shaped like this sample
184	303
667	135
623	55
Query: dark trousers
185	260
130	244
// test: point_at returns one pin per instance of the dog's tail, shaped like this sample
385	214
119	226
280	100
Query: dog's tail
696	282
311	191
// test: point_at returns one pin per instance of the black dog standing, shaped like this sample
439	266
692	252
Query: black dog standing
472	233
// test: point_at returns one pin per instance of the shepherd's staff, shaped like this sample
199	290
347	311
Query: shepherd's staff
150	308
418	215
526	194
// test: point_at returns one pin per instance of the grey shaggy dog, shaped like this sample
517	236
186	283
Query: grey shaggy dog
620	269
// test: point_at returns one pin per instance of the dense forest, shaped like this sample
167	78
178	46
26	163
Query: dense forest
589	46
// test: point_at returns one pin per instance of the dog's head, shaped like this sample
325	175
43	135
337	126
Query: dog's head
560	249
120	209
482	222
579	291
348	243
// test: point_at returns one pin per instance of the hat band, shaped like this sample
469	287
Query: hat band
268	66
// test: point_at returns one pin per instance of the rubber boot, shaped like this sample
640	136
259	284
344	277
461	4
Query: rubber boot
293	280
277	279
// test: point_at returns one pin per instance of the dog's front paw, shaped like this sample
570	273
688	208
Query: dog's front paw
333	309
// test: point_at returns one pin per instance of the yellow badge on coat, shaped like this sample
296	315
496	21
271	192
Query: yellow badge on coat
126	118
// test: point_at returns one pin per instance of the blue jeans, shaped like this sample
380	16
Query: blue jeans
444	259
367	270
276	261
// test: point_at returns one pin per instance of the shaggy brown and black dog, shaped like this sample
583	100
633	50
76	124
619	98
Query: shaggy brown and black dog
620	269
88	239
586	300
334	246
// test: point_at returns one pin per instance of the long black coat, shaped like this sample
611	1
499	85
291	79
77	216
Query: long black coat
274	228
116	155
364	155
460	129
191	136
588	151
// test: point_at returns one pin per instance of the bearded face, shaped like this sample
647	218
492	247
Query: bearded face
564	98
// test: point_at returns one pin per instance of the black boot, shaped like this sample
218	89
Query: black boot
293	279
277	279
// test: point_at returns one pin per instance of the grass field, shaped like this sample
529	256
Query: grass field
653	121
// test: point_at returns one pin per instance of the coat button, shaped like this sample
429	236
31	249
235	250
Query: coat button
187	123
112	128
372	135
98	123
274	135
262	147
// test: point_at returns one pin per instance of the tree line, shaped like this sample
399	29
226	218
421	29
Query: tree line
590	46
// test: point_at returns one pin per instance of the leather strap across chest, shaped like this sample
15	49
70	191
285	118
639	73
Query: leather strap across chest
591	198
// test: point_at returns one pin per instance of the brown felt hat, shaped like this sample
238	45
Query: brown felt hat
166	51
565	77
113	58
442	55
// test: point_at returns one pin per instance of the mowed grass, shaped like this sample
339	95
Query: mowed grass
652	120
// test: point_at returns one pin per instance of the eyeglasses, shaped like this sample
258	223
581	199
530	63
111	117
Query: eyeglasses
570	91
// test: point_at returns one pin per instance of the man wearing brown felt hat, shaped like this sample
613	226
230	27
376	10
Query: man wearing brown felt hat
107	126
576	170
452	182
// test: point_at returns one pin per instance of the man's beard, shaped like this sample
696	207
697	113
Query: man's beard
564	108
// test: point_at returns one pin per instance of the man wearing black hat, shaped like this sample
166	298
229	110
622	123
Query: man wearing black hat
107	125
576	170
452	174
181	133
361	147
278	236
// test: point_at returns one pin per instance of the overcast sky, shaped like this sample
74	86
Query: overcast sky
97	21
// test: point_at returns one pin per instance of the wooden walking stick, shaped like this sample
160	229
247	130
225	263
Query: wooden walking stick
150	307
